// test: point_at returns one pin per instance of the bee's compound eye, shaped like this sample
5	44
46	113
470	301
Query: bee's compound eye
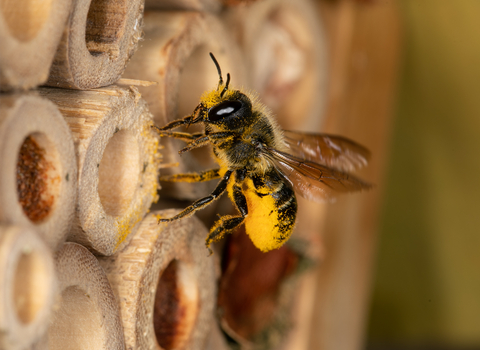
223	110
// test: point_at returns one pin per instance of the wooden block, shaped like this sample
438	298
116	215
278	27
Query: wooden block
30	31
38	168
165	283
87	315
175	54
365	45
118	160
99	39
28	289
286	53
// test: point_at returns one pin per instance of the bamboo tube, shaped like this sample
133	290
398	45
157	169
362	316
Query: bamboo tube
88	315
188	5
30	31
118	160
286	51
175	54
38	169
98	41
166	284
28	287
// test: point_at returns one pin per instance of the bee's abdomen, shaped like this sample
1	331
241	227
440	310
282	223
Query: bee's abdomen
272	212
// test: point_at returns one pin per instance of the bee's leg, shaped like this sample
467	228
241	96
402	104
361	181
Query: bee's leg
202	202
199	142
195	117
184	136
228	222
193	177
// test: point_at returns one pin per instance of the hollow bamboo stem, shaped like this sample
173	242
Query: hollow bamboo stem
118	161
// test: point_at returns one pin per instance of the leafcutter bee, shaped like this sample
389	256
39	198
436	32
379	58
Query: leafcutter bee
261	166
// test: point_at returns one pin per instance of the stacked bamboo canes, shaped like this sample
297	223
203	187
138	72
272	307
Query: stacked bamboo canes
85	164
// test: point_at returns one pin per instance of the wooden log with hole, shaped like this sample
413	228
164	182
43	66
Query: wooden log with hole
87	315
286	54
175	54
29	287
29	35
38	168
118	161
98	40
165	283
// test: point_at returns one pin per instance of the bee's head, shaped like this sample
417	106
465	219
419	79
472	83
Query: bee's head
224	107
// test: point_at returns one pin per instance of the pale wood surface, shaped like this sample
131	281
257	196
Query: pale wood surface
48	186
365	50
29	287
175	54
29	35
117	156
87	315
135	271
98	40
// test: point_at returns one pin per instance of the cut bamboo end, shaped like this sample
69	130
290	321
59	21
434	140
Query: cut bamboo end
87	316
28	287
175	54
188	5
97	43
118	161
30	31
285	47
166	283
39	172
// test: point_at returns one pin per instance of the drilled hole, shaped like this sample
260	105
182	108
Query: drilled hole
77	323
118	173
105	26
25	18
176	306
38	177
30	288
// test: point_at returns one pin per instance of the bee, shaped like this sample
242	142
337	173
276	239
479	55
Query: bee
261	166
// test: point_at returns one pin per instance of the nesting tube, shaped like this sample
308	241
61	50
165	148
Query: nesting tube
28	289
175	54
87	314
166	284
286	51
190	5
116	150
30	31
38	168
99	38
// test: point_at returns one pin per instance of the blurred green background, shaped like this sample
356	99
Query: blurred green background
427	288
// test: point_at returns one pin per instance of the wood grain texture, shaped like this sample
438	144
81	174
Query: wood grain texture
99	39
87	315
365	50
175	54
30	32
118	160
286	52
138	277
38	169
29	287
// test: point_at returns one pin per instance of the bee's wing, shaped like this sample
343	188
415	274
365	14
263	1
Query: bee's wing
314	181
330	150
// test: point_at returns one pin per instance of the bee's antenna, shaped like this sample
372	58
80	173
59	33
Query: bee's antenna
226	85
218	69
